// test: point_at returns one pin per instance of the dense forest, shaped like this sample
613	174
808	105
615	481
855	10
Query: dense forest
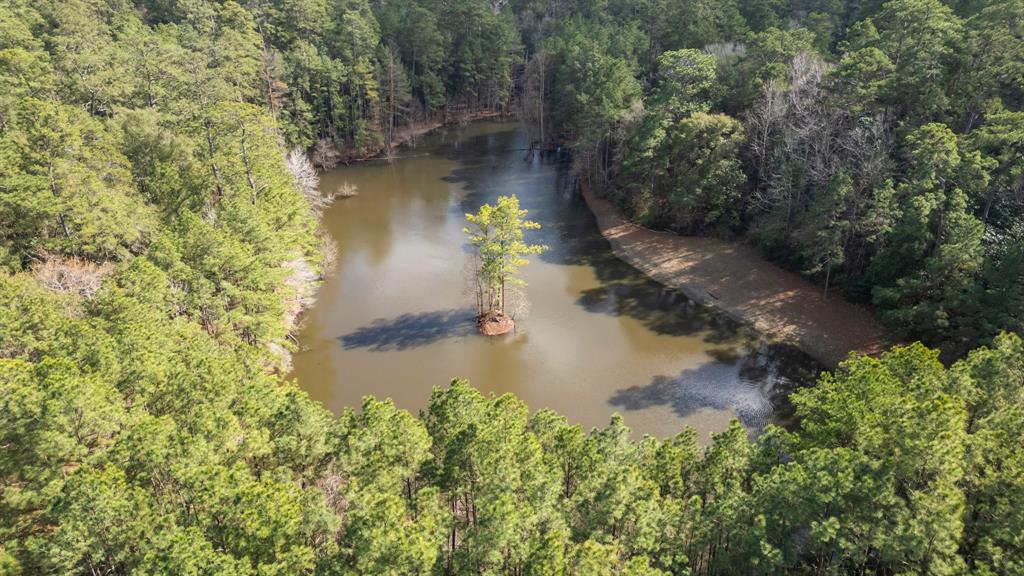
876	148
158	232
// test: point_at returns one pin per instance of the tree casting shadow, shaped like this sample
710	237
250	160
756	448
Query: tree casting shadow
755	386
411	330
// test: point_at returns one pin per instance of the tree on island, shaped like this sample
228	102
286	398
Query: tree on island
497	235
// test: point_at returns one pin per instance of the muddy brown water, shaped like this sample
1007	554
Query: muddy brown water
393	319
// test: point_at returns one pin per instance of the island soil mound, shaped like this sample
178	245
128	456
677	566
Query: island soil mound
495	324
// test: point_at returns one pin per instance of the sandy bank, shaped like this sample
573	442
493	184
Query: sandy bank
735	279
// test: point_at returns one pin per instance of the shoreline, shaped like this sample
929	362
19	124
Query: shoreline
328	159
410	133
733	278
303	282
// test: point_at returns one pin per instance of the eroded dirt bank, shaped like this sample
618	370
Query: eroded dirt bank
735	279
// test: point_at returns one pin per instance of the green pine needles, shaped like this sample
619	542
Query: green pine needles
497	233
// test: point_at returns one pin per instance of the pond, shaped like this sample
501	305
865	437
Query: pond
394	318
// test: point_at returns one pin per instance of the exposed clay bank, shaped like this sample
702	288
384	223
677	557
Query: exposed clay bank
394	320
735	279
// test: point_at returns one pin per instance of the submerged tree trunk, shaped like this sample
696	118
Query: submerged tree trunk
828	276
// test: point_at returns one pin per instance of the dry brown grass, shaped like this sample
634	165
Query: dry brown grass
345	190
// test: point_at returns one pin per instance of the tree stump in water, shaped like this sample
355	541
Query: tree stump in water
495	323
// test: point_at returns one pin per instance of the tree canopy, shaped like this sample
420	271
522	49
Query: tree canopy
153	237
823	133
497	234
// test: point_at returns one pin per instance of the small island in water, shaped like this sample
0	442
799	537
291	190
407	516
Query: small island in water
497	235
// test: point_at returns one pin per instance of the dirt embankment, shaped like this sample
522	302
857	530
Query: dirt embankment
734	278
495	324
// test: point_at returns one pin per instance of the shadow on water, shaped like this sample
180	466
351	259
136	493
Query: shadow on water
661	310
487	170
753	384
752	380
411	330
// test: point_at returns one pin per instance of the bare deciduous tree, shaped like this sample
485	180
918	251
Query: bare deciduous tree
799	141
535	94
396	97
71	275
307	180
325	154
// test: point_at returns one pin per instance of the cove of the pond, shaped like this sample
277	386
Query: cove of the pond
394	319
